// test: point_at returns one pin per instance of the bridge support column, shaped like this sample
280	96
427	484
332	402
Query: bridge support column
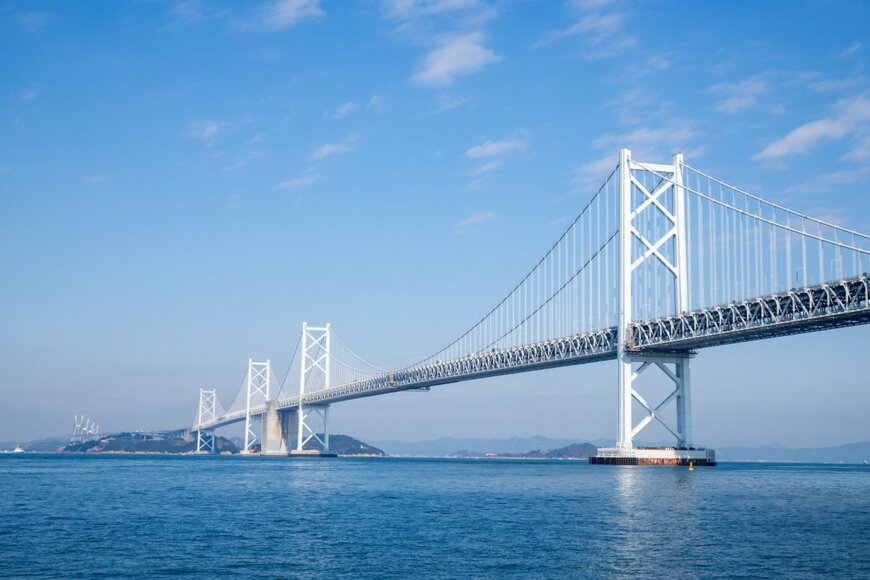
206	442
652	241
308	428
684	403
273	441
258	379
315	362
206	413
675	368
289	421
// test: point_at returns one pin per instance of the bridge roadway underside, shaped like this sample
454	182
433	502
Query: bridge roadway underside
823	307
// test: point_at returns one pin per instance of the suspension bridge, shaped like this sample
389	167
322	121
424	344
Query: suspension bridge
664	260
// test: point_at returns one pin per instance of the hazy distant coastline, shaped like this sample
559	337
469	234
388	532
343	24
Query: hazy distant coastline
535	447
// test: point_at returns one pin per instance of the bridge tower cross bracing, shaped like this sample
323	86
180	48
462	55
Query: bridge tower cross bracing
205	439
652	244
315	350
258	381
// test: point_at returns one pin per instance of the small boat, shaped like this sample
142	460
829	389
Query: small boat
18	449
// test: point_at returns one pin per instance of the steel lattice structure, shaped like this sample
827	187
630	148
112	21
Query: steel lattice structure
664	260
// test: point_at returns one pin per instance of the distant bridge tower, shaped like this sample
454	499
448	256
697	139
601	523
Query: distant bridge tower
315	362
84	430
652	248
258	379
205	439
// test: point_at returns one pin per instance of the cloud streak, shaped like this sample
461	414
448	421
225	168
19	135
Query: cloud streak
204	130
852	117
342	110
600	27
327	150
474	220
454	57
300	181
501	148
491	154
282	14
738	97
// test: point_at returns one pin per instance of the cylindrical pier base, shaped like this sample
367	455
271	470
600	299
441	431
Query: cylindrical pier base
654	456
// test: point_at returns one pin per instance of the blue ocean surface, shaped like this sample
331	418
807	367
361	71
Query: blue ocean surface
71	516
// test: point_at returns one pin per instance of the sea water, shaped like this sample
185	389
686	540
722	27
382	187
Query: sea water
130	516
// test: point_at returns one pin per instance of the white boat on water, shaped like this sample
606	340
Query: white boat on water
18	449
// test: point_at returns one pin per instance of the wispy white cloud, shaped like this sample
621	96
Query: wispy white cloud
188	10
600	26
474	220
184	13
852	49
321	152
29	95
740	96
491	154
447	101
281	14
96	178
342	110
592	174
804	138
501	148
377	103
646	144
408	9
416	17
454	57
487	167
826	182
204	130
300	181
243	160
851	118
833	85
860	151
652	142
453	31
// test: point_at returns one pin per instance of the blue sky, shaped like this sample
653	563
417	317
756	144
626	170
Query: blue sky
183	183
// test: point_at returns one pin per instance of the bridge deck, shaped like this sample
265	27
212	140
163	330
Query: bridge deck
833	305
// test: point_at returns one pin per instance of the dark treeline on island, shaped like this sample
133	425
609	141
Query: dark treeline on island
136	443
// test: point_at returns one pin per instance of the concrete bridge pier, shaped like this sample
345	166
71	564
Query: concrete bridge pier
279	431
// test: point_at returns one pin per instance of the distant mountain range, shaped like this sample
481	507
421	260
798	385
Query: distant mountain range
445	446
47	445
572	451
523	446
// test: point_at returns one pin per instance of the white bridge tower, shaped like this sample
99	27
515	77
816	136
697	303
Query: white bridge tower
258	379
205	439
315	362
652	240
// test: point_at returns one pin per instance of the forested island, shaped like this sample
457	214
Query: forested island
137	443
